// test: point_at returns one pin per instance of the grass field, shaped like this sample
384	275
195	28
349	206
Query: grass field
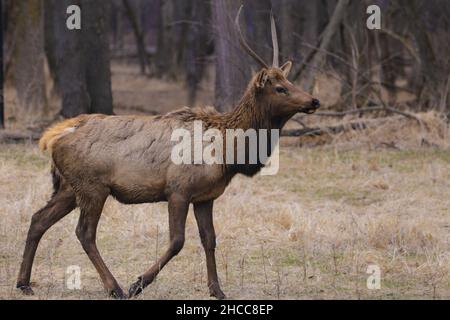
309	232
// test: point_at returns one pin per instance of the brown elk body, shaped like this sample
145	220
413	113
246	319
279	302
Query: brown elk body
129	157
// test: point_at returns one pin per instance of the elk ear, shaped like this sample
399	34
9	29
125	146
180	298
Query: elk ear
261	79
286	68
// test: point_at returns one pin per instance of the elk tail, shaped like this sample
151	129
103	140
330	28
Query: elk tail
56	180
59	130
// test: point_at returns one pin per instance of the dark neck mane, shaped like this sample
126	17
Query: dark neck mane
250	113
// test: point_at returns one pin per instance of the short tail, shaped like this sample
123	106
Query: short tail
60	130
56	180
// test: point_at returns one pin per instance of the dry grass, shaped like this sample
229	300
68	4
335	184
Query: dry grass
307	233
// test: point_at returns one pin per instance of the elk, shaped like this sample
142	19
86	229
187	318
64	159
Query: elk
128	158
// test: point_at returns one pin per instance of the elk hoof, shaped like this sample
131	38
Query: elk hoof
217	293
26	290
136	289
117	294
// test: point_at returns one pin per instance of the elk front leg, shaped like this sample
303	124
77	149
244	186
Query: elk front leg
178	209
204	216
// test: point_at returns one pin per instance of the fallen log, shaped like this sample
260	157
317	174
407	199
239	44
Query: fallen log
317	131
367	109
16	137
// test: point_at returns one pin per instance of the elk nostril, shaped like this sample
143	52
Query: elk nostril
315	103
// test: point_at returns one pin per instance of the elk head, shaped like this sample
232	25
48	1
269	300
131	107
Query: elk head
271	83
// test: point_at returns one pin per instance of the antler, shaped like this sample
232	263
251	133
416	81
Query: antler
273	27
244	43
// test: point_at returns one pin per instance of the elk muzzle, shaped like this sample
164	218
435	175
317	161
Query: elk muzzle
312	107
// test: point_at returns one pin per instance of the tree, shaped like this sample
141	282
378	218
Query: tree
29	57
196	46
257	21
138	31
82	60
318	58
49	40
2	105
290	16
96	45
434	74
232	66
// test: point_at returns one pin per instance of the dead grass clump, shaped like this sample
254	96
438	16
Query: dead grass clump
404	133
411	236
393	132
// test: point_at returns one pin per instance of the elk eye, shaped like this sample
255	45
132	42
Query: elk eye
281	90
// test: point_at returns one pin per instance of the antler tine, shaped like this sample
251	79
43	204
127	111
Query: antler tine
244	43
273	27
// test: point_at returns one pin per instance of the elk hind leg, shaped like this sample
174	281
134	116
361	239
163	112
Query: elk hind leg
62	203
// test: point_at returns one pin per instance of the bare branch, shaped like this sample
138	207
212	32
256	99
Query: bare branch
326	37
368	109
244	43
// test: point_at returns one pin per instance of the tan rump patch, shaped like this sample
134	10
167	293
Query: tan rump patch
59	130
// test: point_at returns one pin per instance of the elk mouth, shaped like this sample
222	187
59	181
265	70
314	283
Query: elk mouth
309	109
315	104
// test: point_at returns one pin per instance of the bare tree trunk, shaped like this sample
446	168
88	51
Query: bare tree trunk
162	57
138	34
49	40
96	42
256	16
232	67
152	19
172	34
82	59
70	63
196	46
10	30
115	23
433	75
317	60
29	59
290	17
2	103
